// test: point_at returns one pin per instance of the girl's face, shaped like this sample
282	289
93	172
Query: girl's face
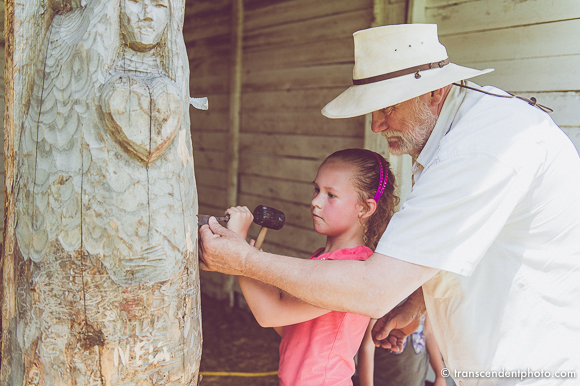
335	205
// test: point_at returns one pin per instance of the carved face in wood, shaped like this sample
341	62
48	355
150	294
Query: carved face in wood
143	22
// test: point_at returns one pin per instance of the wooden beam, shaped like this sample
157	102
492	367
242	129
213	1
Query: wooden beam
416	11
235	102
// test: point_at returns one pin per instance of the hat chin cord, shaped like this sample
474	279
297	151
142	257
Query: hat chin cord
532	101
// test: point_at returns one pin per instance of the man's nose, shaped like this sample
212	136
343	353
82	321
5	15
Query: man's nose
379	123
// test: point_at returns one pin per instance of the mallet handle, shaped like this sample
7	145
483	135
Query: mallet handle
261	237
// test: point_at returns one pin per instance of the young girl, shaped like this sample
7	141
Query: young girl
352	203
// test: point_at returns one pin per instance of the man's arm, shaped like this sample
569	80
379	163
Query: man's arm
372	287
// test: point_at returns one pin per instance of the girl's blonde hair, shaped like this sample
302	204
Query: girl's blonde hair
367	177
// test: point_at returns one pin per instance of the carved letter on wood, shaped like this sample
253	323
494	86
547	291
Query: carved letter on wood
105	257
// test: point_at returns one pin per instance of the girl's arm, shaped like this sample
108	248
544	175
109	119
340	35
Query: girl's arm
434	354
270	307
366	357
273	308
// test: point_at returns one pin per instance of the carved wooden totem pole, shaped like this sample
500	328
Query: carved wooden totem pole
100	276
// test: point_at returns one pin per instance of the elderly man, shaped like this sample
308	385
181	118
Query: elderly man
488	240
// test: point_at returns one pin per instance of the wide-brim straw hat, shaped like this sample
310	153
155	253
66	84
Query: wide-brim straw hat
393	64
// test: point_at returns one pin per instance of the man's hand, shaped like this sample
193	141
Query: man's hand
221	249
391	330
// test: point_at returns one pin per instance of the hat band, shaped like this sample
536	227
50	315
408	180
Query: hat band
406	71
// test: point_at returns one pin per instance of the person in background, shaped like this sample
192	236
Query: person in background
378	366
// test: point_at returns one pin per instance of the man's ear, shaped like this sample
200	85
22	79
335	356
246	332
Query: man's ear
368	209
436	98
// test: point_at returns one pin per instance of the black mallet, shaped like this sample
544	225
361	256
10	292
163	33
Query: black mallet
267	218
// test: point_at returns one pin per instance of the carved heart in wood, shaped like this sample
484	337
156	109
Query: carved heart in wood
143	115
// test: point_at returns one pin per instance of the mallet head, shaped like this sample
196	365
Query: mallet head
269	217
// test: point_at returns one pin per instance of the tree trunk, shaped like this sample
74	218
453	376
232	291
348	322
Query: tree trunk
100	283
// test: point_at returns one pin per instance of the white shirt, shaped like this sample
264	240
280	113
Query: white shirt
496	207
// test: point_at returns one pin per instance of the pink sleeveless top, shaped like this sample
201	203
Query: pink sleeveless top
321	351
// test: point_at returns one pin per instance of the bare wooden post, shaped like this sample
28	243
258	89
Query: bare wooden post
237	37
100	278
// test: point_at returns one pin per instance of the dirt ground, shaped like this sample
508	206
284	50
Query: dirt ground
234	342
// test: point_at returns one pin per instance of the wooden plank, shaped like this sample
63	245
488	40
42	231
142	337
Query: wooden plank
310	30
300	121
208	83
210	178
296	214
396	13
211	196
210	159
294	99
574	134
212	46
211	210
457	17
210	122
338	50
214	119
416	11
204	27
210	74
299	78
209	140
291	191
279	167
537	74
442	3
290	11
206	8
310	146
531	41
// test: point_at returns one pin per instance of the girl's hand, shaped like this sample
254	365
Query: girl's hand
253	243
240	220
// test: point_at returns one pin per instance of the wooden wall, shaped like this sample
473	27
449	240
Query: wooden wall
297	56
533	46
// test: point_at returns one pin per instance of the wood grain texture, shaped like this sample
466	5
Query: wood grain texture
312	146
529	75
298	192
456	17
299	10
105	260
530	41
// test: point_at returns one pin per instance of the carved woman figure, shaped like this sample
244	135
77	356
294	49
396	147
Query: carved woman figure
107	202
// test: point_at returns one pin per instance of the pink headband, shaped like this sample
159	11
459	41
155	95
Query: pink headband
382	182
